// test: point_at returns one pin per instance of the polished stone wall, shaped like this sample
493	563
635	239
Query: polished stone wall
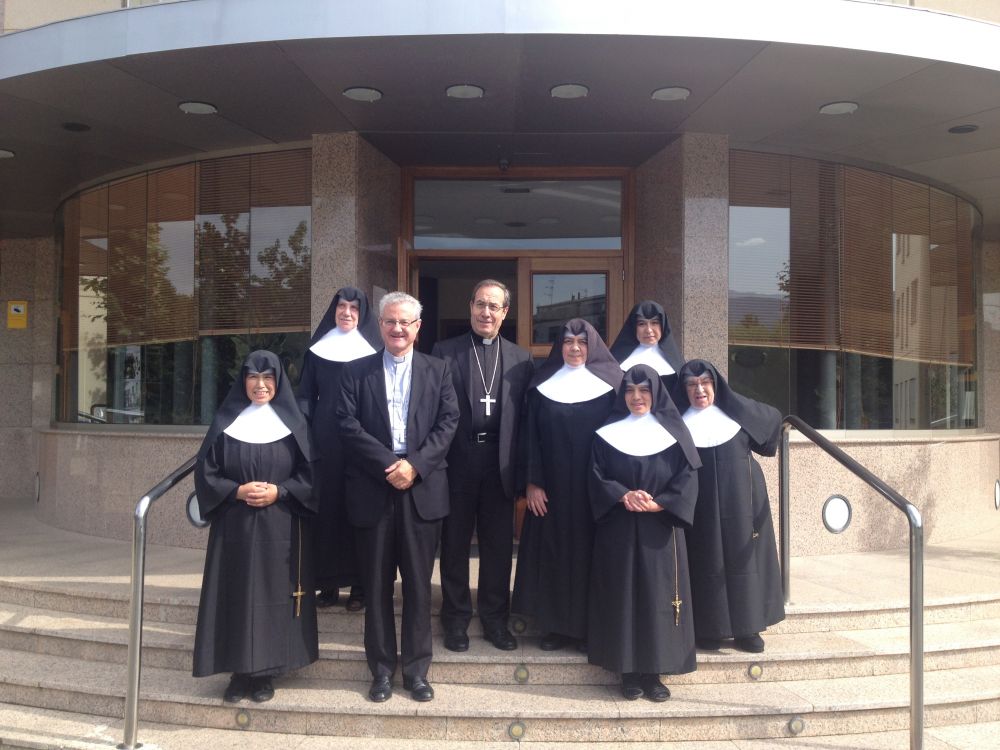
27	359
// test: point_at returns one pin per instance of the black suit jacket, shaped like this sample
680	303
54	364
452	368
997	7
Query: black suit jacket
516	373
363	418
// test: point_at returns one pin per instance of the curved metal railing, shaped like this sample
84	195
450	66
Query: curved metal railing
138	584
916	557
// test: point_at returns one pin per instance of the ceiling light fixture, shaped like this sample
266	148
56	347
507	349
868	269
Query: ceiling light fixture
197	108
839	108
465	91
362	94
671	94
963	129
76	127
569	91
6	154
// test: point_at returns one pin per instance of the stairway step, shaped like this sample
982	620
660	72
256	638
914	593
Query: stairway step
486	713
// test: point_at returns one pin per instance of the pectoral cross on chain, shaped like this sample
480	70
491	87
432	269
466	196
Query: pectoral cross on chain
487	400
297	595
677	609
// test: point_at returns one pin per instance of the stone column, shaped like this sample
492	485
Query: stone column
682	242
355	218
27	360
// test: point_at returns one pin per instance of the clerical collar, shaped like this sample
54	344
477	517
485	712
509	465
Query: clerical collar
486	341
393	359
648	354
257	423
710	427
342	346
637	436
571	385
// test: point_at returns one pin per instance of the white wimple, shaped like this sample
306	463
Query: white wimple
648	354
338	346
637	436
258	423
710	427
571	385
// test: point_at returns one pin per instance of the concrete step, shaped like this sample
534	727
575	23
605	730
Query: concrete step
489	713
789	656
43	729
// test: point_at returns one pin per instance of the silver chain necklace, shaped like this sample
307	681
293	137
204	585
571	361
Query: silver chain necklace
482	376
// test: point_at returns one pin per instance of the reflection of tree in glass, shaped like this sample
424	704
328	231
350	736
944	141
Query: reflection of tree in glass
224	254
279	280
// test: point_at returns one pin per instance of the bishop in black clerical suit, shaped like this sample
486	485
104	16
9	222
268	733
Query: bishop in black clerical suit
257	615
397	415
735	578
491	376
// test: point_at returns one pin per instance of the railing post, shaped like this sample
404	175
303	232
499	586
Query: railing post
784	522
135	624
916	629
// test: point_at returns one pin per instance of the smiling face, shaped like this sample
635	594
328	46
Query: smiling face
638	398
574	349
261	387
648	331
397	337
347	316
700	390
487	311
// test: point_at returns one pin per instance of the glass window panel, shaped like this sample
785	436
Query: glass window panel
517	215
558	297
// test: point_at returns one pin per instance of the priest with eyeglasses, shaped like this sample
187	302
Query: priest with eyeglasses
490	375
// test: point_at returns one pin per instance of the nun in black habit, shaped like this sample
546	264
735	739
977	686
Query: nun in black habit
569	397
348	331
646	339
643	489
735	578
257	615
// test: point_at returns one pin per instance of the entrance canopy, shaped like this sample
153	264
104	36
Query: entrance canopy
89	98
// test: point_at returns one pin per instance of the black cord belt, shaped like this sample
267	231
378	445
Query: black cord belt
486	437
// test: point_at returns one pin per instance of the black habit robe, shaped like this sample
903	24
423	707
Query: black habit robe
256	557
640	616
735	576
336	559
554	553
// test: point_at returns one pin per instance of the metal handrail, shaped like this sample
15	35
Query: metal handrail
916	557
138	583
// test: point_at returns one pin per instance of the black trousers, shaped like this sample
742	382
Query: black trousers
478	503
401	539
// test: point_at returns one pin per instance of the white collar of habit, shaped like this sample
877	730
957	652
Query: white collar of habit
710	427
258	423
637	436
571	385
340	346
648	354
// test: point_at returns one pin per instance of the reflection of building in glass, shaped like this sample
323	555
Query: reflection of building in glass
548	320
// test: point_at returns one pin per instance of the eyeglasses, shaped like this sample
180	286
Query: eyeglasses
493	307
704	382
390	323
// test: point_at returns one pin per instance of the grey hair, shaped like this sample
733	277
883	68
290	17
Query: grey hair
399	298
492	282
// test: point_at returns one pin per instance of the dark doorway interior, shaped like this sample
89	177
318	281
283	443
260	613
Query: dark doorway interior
445	286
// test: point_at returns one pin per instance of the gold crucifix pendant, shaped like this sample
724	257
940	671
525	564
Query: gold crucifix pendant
297	595
677	609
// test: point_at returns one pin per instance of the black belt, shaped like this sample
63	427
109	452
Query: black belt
485	437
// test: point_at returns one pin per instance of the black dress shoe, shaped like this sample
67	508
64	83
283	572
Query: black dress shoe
631	688
261	689
653	689
327	598
456	640
581	645
708	644
501	638
355	600
420	689
381	690
752	643
553	642
238	689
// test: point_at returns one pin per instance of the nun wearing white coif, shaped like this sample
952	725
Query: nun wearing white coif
257	614
735	578
646	339
569	397
643	489
348	331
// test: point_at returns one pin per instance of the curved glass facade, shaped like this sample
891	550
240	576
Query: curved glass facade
851	295
169	278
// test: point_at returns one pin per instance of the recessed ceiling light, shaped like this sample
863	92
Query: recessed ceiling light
839	108
76	127
963	129
671	94
362	94
484	221
197	108
569	91
515	224
465	91
6	154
